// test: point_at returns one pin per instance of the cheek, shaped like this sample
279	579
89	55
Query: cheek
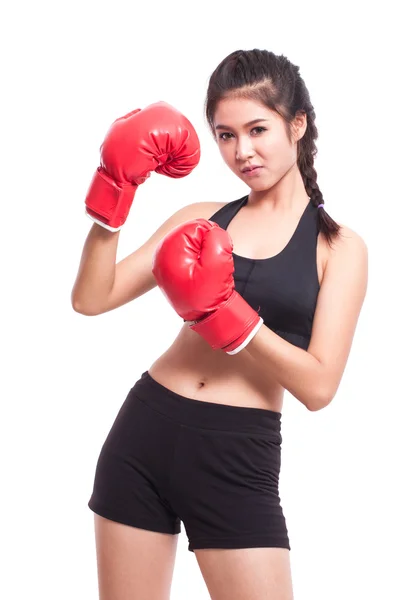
276	153
270	145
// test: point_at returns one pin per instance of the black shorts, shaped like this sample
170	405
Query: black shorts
215	467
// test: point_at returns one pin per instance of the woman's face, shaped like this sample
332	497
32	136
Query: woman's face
263	143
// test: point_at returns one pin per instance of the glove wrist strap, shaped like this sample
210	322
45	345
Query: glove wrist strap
228	324
108	203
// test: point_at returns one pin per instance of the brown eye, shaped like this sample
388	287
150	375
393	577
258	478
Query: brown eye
261	129
221	135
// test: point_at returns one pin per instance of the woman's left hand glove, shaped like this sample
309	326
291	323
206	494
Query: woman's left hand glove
193	266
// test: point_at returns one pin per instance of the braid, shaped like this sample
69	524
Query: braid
305	161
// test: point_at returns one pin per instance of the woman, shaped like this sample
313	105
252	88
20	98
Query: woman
270	288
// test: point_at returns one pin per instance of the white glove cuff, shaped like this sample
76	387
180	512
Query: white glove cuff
248	339
101	223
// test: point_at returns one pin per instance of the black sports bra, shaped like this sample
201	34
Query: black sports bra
283	288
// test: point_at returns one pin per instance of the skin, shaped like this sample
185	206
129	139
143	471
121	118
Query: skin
277	198
259	374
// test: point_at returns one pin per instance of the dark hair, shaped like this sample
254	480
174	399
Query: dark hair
262	76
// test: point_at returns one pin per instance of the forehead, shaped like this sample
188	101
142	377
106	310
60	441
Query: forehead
237	111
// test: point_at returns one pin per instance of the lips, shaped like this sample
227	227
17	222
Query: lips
251	168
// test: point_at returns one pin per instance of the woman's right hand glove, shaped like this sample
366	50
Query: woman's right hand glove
193	266
158	138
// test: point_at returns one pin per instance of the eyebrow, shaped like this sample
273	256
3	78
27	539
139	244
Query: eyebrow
220	126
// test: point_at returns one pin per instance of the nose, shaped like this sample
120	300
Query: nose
244	148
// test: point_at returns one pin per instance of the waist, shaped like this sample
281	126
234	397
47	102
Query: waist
191	368
205	415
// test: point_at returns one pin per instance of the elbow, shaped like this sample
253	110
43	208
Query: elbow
320	400
82	310
315	407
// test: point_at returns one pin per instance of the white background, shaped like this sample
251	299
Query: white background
68	70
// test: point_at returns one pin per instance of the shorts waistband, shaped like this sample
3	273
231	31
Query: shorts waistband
205	415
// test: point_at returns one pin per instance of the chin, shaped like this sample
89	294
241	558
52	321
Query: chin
258	186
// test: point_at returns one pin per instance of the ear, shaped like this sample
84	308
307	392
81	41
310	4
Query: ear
299	125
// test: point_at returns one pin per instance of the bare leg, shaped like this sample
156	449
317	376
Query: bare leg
246	573
133	563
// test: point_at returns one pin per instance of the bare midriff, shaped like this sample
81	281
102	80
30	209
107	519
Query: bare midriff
191	368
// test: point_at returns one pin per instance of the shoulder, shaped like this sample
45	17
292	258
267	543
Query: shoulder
344	244
189	212
347	241
348	253
196	210
202	209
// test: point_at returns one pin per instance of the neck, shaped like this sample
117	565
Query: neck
288	195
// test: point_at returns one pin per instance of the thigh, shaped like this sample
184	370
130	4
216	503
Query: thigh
132	562
246	573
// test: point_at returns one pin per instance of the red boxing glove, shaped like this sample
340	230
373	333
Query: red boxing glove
158	138
193	266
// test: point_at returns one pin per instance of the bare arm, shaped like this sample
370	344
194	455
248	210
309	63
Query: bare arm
313	376
96	271
101	285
